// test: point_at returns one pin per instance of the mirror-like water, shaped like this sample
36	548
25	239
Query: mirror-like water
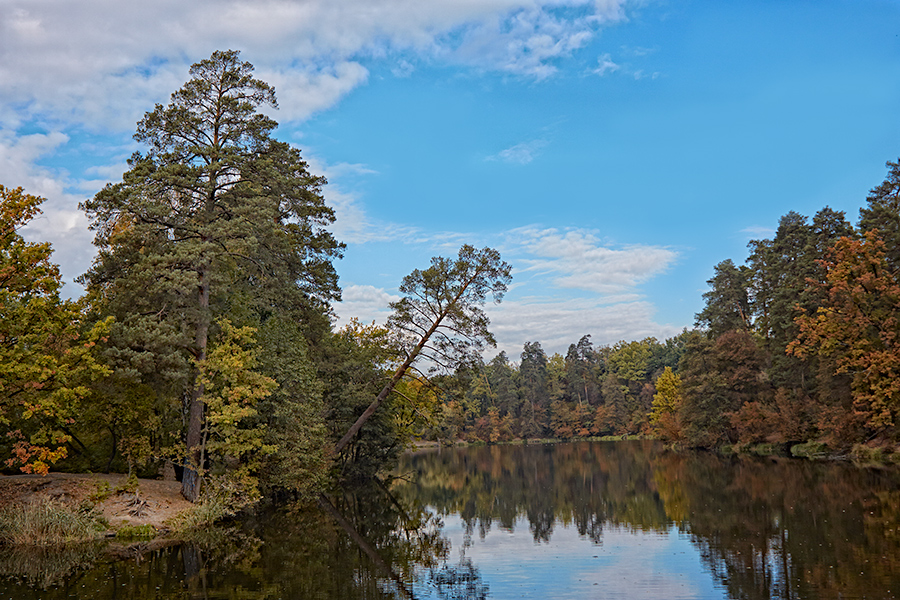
581	520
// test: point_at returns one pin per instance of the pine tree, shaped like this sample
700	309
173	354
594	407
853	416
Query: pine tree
216	219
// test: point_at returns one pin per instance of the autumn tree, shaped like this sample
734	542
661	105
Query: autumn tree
47	346
666	404
858	329
216	218
781	271
718	377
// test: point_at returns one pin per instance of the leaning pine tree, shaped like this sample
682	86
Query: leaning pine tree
215	220
439	319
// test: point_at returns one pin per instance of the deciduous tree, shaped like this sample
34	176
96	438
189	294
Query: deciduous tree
858	328
47	347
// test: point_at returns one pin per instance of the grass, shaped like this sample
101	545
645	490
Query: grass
48	523
136	532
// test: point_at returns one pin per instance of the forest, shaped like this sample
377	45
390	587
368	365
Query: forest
205	338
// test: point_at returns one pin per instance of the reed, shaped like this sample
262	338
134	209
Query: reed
46	523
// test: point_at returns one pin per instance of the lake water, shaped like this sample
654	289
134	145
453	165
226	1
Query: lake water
570	521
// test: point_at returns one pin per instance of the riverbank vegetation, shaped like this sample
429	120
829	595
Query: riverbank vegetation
205	342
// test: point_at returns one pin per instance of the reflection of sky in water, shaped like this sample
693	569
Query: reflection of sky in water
628	564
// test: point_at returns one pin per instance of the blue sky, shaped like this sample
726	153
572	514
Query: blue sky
613	151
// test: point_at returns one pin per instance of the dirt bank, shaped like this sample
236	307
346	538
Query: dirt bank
154	502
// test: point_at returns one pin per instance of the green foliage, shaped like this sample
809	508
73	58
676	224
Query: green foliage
102	491
293	414
48	356
718	377
234	438
881	214
353	370
727	303
440	318
129	485
136	532
630	361
810	450
440	314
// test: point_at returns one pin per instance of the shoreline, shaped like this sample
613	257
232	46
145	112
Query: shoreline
140	508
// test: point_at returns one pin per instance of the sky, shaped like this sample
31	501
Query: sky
613	151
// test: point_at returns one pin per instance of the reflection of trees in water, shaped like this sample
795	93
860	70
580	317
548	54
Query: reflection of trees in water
789	529
586	485
459	582
42	567
422	555
765	528
297	552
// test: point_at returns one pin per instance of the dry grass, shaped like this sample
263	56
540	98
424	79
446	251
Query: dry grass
46	522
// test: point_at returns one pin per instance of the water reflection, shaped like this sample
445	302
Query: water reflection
765	528
583	520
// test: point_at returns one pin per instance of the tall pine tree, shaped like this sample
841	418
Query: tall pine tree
215	219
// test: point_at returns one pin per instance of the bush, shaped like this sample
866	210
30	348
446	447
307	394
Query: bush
867	454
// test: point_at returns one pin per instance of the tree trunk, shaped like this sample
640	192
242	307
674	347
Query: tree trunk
398	375
191	480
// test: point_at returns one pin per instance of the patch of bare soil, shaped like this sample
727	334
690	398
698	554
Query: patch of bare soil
154	503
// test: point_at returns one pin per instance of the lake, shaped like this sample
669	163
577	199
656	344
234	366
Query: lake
571	521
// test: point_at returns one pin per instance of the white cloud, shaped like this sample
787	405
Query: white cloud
758	231
550	264
352	224
556	322
61	222
403	68
97	66
520	154
99	63
606	65
303	92
575	259
364	302
539	306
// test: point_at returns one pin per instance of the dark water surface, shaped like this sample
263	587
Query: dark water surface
582	520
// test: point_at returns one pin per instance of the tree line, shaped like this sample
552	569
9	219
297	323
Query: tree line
800	344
